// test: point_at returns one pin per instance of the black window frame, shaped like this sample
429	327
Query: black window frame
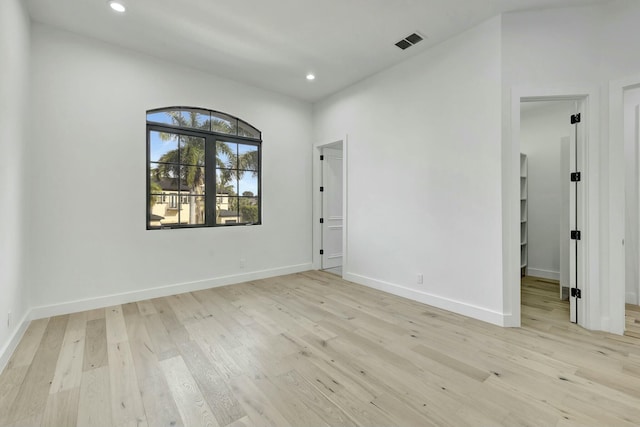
211	139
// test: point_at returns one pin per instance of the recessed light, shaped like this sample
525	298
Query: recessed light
117	6
311	77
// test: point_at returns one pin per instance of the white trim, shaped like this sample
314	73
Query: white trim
14	340
631	296
543	274
616	279
317	201
454	306
590	265
163	291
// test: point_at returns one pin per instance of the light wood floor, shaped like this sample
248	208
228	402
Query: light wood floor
312	350
632	326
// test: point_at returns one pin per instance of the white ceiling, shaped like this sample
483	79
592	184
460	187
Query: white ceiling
273	44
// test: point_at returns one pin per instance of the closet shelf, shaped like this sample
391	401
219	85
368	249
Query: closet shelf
524	249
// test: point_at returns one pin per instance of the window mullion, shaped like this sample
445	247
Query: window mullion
210	180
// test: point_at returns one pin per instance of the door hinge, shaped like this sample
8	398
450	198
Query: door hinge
321	157
575	235
575	177
321	220
321	189
575	292
321	252
575	118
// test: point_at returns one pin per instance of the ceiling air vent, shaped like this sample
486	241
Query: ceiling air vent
409	41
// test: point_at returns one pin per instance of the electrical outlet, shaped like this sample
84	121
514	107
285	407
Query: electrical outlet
8	319
420	279
242	262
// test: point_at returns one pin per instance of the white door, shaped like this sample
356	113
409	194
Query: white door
332	208
576	223
637	176
565	171
631	233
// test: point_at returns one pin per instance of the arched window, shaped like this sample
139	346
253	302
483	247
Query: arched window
203	169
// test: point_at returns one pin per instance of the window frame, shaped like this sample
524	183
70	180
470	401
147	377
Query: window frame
211	139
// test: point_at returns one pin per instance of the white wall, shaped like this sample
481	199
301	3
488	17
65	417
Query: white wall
87	200
544	52
424	174
427	131
561	50
14	77
632	215
542	125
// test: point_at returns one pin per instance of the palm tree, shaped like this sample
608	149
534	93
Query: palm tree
225	173
249	161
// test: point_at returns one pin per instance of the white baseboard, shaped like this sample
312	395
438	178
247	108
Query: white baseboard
511	321
163	291
631	298
605	325
458	307
543	274
12	344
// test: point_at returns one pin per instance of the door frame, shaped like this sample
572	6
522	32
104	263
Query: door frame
616	278
317	201
588	208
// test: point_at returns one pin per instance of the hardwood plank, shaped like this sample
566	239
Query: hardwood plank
452	363
256	404
242	422
163	346
620	382
95	350
68	373
32	397
633	310
176	330
160	408
192	405
146	308
213	329
94	407
126	403
116	329
286	402
311	349
408	416
315	400
129	309
186	308
28	422
62	408
96	314
26	350
216	392
10	382
223	360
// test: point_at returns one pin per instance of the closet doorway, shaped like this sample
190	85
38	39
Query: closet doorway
330	213
332	219
632	210
550	144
